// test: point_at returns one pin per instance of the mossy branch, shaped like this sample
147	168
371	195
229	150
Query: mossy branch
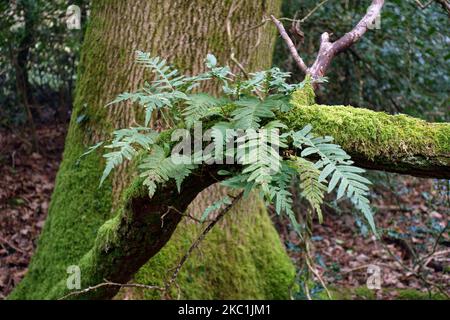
374	139
377	140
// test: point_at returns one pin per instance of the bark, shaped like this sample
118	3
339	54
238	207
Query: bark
77	227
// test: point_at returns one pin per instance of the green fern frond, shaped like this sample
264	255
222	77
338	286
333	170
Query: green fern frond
199	106
311	188
250	111
335	162
166	77
126	140
257	152
158	167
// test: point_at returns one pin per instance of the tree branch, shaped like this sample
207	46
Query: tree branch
202	236
298	60
374	139
328	50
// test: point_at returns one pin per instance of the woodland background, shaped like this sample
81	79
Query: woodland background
406	71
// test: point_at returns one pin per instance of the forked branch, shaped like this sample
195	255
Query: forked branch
328	50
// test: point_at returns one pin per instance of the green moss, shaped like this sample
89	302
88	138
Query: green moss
372	133
241	259
78	208
304	96
411	294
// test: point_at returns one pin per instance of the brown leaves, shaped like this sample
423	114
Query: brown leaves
26	185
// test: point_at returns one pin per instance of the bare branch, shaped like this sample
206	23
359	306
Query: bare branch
298	60
111	284
361	28
328	50
317	7
194	245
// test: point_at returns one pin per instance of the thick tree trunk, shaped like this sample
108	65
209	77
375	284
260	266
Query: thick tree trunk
110	232
183	32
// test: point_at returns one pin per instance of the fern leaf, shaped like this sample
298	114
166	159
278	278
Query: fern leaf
200	106
310	185
250	111
127	140
215	206
158	168
334	162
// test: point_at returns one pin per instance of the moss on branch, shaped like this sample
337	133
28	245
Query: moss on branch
377	140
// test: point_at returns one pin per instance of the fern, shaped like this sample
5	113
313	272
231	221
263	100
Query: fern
166	77
251	111
311	187
199	106
249	105
258	152
158	167
336	162
215	206
126	141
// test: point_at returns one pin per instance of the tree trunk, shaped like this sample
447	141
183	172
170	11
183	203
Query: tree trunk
244	257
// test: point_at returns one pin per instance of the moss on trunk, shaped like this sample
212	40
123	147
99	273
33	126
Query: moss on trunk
78	209
239	260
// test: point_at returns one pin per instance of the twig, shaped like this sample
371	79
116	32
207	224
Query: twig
298	60
12	246
419	275
311	267
328	50
230	39
436	243
187	215
200	239
112	284
313	10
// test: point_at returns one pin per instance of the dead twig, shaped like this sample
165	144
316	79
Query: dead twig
196	243
12	246
292	49
328	50
111	284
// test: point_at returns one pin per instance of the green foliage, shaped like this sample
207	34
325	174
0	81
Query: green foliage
158	167
312	187
215	206
201	105
126	140
401	72
37	53
335	162
246	116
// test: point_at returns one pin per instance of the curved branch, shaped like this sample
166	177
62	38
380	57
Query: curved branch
298	60
328	50
374	139
360	29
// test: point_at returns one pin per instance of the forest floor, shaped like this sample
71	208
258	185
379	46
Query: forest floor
412	213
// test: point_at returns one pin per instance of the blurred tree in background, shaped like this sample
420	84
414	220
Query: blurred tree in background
400	68
38	58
